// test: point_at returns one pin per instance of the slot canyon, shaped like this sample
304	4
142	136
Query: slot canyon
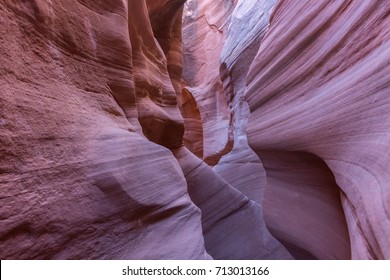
198	129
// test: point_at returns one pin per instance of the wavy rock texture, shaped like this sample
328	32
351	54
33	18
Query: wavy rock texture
233	225
209	93
316	87
158	112
320	85
263	135
241	167
80	82
204	24
285	200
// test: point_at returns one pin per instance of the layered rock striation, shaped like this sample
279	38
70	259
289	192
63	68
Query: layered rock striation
198	129
319	84
88	111
312	78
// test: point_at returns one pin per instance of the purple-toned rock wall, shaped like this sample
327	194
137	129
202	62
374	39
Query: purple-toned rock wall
198	129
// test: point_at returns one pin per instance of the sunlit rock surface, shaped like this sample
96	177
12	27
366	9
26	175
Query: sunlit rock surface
204	31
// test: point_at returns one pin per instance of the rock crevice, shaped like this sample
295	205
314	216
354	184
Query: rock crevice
199	129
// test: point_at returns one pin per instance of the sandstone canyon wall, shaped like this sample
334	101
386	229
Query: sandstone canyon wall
198	129
319	84
313	78
82	82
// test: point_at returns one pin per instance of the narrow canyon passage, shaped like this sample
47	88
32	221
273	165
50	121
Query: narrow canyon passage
198	129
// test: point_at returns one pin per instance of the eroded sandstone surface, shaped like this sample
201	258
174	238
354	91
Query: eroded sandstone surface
84	85
198	129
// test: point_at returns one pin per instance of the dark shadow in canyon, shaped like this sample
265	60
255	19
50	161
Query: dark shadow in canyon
302	206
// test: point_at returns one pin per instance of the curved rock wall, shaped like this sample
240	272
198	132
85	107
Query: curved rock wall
316	88
320	84
204	26
113	112
80	81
